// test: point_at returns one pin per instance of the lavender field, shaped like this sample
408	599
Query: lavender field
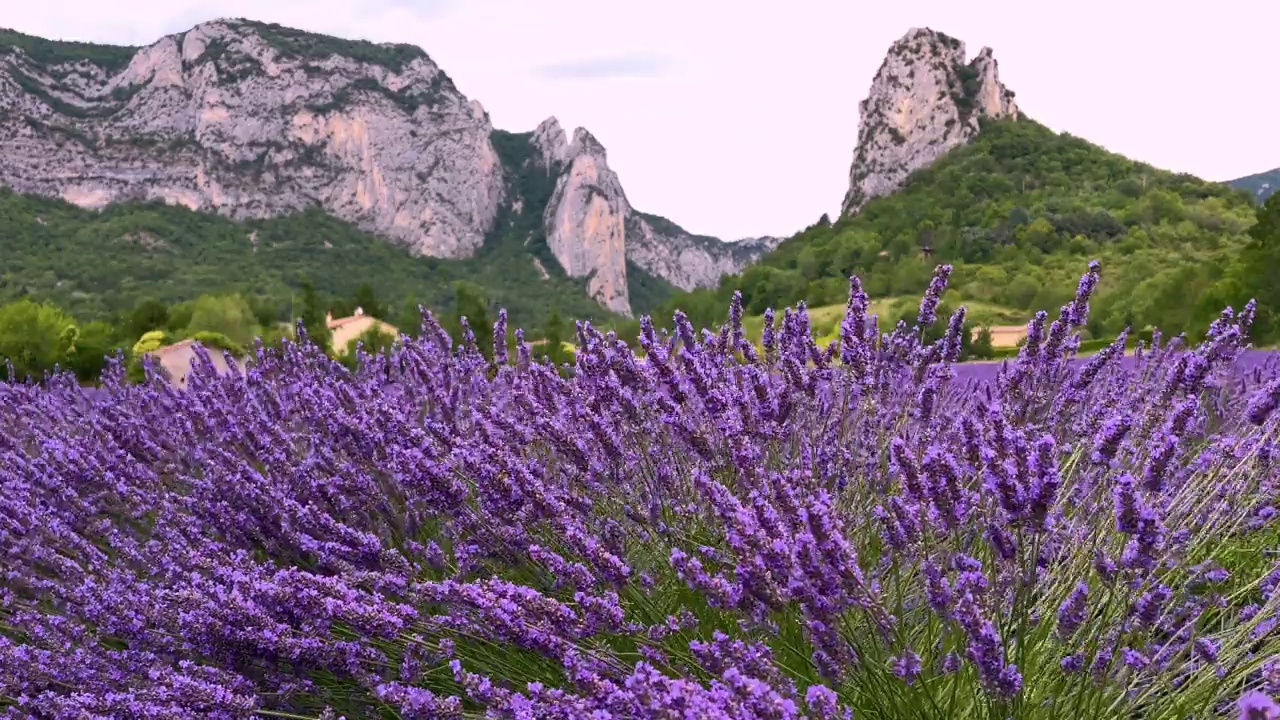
700	530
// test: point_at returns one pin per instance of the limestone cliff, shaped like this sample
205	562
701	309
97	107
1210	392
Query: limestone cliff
924	100
586	221
250	120
253	120
593	230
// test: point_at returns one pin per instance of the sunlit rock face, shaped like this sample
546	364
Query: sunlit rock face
924	100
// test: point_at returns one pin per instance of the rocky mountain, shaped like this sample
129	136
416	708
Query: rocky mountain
248	120
948	170
593	230
1262	185
925	100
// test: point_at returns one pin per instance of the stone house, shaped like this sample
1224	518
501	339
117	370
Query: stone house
346	329
176	361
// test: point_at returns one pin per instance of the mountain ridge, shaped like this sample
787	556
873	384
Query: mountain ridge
254	120
1261	185
948	169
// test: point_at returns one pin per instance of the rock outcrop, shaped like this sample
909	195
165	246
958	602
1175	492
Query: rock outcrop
585	221
250	120
253	120
925	100
687	261
593	231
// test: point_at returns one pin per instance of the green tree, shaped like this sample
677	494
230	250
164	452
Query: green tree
408	319
35	337
228	315
151	340
1258	269
470	302
554	333
314	317
95	342
180	316
982	349
375	341
149	314
367	300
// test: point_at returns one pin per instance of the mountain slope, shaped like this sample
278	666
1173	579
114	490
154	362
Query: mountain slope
97	263
249	121
1018	209
925	99
1261	185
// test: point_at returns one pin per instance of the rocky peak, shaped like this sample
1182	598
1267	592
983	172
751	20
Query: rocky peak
924	100
585	221
551	142
253	120
247	119
594	232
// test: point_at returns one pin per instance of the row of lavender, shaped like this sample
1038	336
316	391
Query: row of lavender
706	531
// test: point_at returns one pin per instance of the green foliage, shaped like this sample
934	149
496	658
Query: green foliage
97	264
982	348
1257	273
55	52
35	337
1019	212
95	341
367	300
375	341
291	43
314	316
647	292
226	316
149	314
470	303
555	333
150	341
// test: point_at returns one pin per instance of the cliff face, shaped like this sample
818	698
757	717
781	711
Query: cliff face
593	231
924	100
250	120
585	221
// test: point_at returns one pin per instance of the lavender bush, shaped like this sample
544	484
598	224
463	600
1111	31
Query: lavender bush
709	530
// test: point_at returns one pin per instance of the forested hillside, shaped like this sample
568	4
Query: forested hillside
94	264
1019	212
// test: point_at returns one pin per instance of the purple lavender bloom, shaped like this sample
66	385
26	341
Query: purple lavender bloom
906	666
1107	442
932	296
1255	705
1072	611
1264	402
1127	504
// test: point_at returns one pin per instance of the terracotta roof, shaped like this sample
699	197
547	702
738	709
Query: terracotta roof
334	324
172	348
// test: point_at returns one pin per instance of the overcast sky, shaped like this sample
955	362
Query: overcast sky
739	118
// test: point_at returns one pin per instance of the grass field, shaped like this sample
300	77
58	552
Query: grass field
1007	324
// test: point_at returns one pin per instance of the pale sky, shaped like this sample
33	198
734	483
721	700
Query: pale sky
739	118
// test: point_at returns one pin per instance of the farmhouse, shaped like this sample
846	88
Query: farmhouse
176	361
346	329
